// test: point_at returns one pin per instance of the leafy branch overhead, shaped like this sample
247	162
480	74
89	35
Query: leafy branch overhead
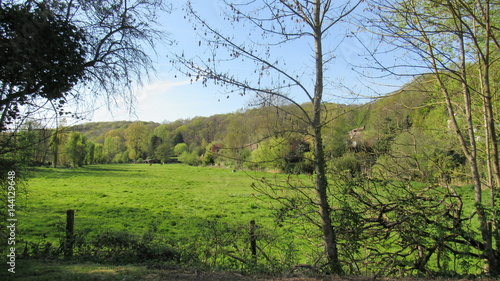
87	48
43	56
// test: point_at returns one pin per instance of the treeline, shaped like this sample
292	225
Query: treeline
272	138
267	138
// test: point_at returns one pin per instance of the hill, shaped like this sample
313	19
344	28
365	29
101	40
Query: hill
355	134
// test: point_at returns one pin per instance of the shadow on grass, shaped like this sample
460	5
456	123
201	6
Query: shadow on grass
62	270
43	270
94	170
38	270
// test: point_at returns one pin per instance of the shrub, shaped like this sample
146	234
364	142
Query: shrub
191	159
121	246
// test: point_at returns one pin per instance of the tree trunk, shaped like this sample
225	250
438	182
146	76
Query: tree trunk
55	147
491	143
329	235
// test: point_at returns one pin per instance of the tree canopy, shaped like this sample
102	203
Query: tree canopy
42	57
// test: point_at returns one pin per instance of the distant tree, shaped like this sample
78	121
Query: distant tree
98	153
27	140
76	149
212	153
154	142
124	157
55	142
192	159
180	148
91	153
163	132
164	152
112	147
271	153
178	138
136	138
239	134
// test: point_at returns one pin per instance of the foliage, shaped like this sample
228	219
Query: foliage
76	149
136	137
164	152
181	148
43	56
191	159
112	147
49	48
271	153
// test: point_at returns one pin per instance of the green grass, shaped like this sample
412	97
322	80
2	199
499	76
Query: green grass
175	199
134	197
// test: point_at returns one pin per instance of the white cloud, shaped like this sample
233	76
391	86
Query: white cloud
158	87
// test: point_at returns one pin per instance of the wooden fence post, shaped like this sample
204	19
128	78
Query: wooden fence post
253	240
70	230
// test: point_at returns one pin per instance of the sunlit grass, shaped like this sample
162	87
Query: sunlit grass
135	197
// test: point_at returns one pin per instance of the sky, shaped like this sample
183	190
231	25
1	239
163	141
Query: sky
168	95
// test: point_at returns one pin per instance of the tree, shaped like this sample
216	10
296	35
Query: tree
57	52
154	142
164	152
456	43
136	137
98	153
271	153
191	159
180	148
178	138
76	149
279	23
117	34
55	142
43	57
112	147
90	158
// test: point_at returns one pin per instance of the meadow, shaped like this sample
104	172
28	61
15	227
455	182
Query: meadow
171	198
198	216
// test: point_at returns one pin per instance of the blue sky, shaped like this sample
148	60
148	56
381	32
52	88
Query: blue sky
169	96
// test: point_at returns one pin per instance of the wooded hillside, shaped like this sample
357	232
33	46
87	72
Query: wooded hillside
272	138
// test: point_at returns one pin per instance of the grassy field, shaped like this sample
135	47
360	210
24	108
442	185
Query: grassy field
173	198
179	202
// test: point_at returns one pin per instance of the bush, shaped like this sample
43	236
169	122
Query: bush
124	247
180	148
191	159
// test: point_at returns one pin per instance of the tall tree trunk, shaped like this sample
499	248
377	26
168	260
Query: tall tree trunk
329	235
486	234
55	147
492	153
